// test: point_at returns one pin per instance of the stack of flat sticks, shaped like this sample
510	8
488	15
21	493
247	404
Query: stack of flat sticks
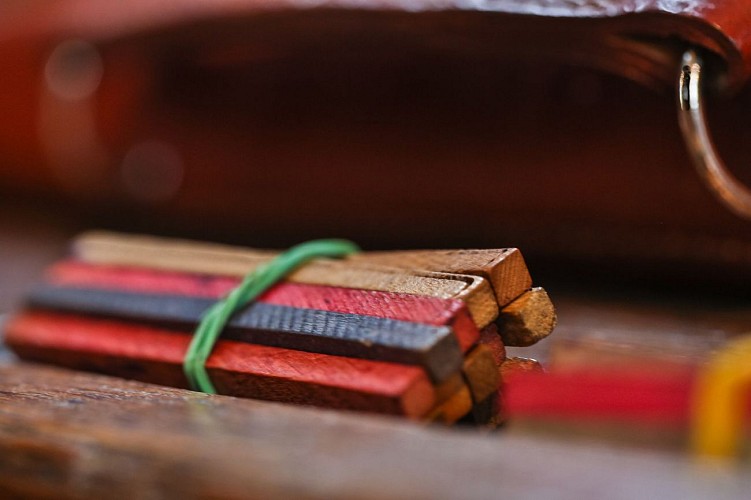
413	333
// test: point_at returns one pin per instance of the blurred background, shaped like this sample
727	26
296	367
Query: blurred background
267	124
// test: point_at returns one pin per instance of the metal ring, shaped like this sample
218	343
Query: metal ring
729	190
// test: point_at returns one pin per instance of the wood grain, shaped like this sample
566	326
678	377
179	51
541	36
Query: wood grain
433	347
504	268
397	306
66	434
481	373
236	368
528	319
209	258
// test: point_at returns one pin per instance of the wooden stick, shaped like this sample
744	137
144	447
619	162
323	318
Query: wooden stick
481	373
486	413
504	268
433	347
485	398
455	397
236	368
453	409
207	258
402	307
446	389
519	365
490	338
103	247
528	319
508	369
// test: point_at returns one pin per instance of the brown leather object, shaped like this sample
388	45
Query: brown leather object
395	123
629	30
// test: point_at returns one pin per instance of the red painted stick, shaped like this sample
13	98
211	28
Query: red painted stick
601	395
236	368
399	306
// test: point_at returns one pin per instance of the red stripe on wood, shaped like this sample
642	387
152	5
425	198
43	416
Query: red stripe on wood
600	395
239	369
399	306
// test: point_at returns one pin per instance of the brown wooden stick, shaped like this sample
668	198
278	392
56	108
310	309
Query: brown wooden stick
456	396
481	373
504	268
208	258
453	409
490	338
518	364
446	389
528	319
507	369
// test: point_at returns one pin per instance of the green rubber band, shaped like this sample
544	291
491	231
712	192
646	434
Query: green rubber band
254	284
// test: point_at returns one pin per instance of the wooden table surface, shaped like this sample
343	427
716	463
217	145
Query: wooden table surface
71	434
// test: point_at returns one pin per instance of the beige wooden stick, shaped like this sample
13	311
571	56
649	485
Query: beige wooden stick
104	247
474	291
528	319
504	268
210	258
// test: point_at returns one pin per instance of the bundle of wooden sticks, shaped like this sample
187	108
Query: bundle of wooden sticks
413	333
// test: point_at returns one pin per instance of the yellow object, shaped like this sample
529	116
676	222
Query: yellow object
720	400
